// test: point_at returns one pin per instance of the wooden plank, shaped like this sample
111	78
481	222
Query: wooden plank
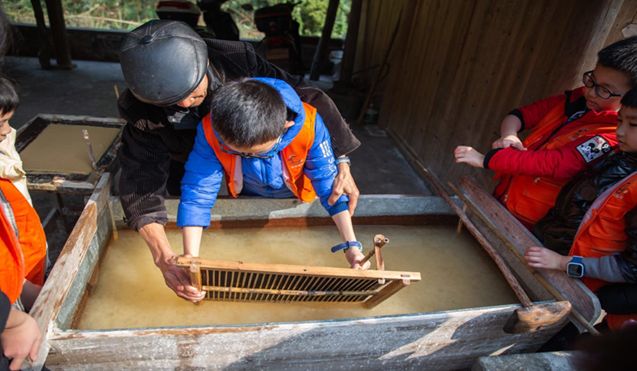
461	66
440	341
518	238
302	270
56	289
387	292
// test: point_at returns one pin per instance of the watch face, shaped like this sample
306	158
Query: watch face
575	269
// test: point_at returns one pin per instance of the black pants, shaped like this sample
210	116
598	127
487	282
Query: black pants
618	298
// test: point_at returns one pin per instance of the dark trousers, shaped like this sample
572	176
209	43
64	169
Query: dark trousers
618	298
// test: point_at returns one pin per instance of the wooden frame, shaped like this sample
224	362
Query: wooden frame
68	182
239	281
436	340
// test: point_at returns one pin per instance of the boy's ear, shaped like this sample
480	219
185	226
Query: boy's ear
288	124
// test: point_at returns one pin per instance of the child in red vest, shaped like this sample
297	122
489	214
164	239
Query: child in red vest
567	133
267	143
591	233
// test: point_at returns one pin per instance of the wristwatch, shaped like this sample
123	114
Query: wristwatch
575	268
343	159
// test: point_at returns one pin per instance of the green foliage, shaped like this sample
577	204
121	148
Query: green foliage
128	14
310	14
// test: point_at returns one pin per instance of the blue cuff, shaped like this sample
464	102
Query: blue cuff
346	245
338	207
192	217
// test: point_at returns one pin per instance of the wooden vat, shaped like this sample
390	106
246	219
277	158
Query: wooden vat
435	340
69	182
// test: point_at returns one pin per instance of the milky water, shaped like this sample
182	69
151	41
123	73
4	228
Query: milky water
455	272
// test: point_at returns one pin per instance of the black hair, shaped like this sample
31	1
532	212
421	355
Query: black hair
621	56
9	99
248	112
630	99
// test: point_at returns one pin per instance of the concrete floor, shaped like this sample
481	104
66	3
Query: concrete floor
377	166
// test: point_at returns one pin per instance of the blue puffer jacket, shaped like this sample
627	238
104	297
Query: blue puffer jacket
263	177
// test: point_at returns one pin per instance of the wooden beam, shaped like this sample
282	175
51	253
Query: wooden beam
326	35
349	50
389	290
58	30
302	270
44	52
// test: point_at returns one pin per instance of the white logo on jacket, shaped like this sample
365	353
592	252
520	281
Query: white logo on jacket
594	148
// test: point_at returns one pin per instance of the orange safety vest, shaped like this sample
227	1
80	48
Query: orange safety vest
603	232
11	260
293	156
529	198
30	232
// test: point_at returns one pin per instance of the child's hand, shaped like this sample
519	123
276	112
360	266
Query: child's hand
468	155
541	257
354	257
20	339
509	141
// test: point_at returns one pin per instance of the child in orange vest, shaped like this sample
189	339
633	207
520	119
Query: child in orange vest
15	196
267	143
591	233
567	133
10	161
19	333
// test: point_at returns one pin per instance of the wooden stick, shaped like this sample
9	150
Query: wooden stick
459	227
486	245
241	290
115	234
575	314
195	277
379	241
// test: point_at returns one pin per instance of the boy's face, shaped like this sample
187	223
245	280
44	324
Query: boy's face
5	129
627	129
262	150
616	83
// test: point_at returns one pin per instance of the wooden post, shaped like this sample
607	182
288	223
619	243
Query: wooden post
195	275
349	50
326	35
379	241
44	52
459	226
58	30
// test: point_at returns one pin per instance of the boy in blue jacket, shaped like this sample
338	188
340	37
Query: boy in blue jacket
267	143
